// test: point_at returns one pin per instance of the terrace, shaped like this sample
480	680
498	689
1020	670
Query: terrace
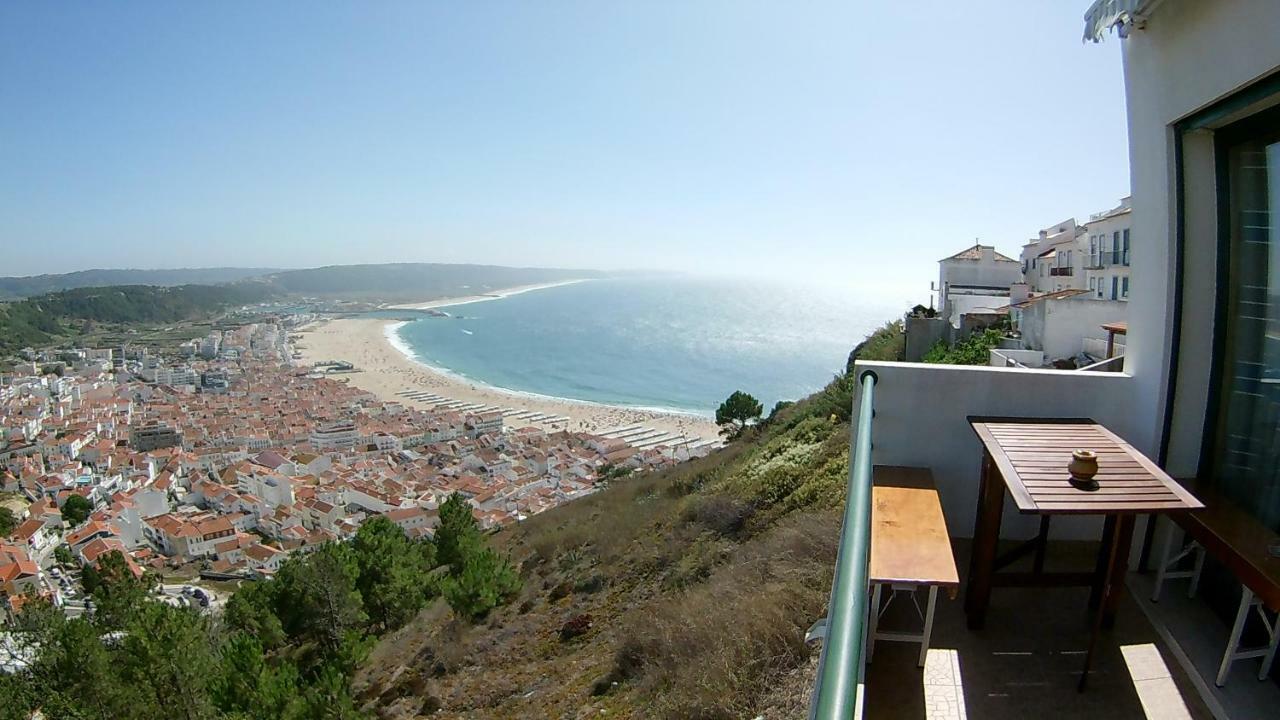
1157	661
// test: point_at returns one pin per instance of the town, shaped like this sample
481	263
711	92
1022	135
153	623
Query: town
218	459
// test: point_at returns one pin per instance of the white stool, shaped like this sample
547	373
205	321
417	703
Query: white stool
1247	601
926	616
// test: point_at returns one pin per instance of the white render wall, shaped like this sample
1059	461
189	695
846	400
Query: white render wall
1059	327
921	420
1190	54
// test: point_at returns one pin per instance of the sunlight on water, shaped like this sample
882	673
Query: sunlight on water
656	342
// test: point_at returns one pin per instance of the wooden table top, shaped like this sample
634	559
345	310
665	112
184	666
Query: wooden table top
909	539
1032	455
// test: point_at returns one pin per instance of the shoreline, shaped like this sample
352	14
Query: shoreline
385	369
483	297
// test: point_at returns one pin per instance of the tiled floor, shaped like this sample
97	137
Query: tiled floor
1027	661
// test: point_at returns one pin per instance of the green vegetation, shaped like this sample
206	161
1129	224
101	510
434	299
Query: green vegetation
973	350
285	648
8	521
736	413
62	554
683	593
76	509
46	319
886	344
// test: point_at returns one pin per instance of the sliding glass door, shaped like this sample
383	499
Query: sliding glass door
1247	456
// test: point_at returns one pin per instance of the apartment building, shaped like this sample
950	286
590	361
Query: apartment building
1107	257
1052	261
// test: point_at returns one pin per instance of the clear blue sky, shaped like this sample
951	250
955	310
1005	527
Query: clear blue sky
856	141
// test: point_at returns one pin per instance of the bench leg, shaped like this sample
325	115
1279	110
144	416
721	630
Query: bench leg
873	620
1273	630
1168	559
1233	641
1195	574
1166	549
928	626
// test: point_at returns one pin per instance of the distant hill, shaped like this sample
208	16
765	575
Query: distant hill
21	287
415	281
49	318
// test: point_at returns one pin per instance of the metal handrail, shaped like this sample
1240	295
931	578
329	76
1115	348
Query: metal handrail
837	695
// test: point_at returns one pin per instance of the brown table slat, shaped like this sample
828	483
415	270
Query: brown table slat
1032	459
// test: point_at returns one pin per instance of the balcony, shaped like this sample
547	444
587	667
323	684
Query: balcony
1159	659
1062	271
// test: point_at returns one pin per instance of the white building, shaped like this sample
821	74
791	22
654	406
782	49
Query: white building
1052	262
337	436
1107	260
976	279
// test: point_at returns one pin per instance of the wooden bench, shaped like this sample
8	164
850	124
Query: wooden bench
1243	545
910	549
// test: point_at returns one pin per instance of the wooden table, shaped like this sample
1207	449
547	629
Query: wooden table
910	549
1028	457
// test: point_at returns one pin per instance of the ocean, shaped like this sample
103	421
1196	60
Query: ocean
667	343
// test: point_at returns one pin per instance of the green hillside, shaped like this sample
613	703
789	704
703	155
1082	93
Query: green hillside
57	316
21	287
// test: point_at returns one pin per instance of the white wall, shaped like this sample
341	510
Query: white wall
921	420
1190	54
1058	327
964	304
1030	358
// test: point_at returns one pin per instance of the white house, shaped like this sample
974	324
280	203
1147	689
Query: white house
976	279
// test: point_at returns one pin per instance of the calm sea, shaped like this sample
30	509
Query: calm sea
671	343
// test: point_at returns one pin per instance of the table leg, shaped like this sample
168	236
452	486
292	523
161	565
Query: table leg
1117	545
1119	566
1042	545
1103	562
986	537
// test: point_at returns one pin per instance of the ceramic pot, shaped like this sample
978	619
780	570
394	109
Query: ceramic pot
1084	464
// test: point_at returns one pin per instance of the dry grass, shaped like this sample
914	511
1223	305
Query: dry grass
710	653
700	582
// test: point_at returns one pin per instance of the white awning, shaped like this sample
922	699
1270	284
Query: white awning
1104	15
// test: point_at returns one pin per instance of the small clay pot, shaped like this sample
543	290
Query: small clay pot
1084	465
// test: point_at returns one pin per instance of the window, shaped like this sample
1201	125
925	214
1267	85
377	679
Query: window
1093	250
1115	248
1124	252
1093	283
1115	287
1124	287
1246	453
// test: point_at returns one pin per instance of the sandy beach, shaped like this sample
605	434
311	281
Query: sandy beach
384	371
481	297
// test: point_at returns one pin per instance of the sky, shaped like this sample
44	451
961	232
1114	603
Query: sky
840	142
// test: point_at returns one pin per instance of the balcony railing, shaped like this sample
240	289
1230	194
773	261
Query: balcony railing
1113	258
838	694
1067	271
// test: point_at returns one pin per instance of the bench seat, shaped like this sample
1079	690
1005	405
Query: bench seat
910	548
